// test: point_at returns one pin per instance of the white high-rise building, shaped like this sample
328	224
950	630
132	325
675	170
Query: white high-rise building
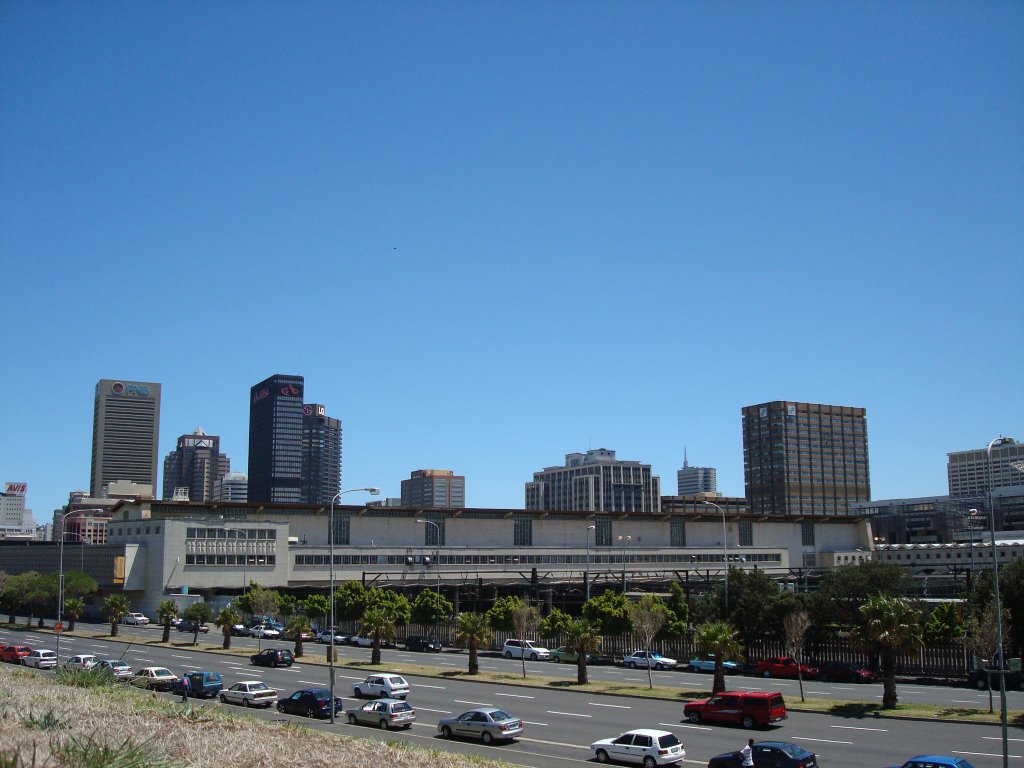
234	486
968	471
14	518
693	480
597	482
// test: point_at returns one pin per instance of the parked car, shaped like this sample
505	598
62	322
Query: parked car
784	666
846	672
324	636
422	643
569	656
645	746
118	669
362	641
707	664
136	619
935	761
517	649
489	724
383	713
155	678
249	693
646	659
202	685
40	658
265	631
982	679
746	708
386	685
192	626
81	661
768	754
272	657
311	702
13	654
239	630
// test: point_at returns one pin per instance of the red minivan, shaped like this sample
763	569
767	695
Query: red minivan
744	708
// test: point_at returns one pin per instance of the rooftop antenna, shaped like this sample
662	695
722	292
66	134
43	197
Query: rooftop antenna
686	463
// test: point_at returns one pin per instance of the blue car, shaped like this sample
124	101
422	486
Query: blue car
935	761
707	664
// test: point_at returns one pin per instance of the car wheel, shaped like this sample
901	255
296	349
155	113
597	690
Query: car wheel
383	724
533	657
223	700
556	659
357	692
602	756
245	703
981	684
659	667
824	678
747	722
766	673
632	665
280	707
508	654
351	719
693	717
446	732
487	738
649	762
309	712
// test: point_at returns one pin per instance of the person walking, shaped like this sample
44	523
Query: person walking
747	753
186	684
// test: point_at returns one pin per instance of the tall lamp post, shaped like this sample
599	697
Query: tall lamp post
725	553
998	608
622	540
437	570
586	577
60	577
330	543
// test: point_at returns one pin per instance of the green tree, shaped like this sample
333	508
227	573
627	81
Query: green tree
609	611
525	620
378	625
298	625
647	615
753	600
258	601
889	625
845	589
287	605
555	624
227	617
78	584
166	612
427	610
584	637
677	618
317	608
500	616
74	607
1011	588
794	630
722	641
12	596
981	635
349	601
200	613
944	624
472	629
115	607
39	590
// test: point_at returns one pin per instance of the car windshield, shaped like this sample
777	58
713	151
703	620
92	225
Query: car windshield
162	672
397	680
401	706
322	695
668	740
500	715
258	687
792	750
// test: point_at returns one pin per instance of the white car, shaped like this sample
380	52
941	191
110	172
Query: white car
264	631
361	641
249	693
645	746
324	636
137	619
517	649
155	678
81	661
652	659
40	659
118	669
390	685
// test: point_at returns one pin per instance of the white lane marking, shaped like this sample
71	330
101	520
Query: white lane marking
749	688
859	728
349	677
567	714
616	706
474	703
963	701
104	645
840	688
177	656
982	754
311	682
999	738
531	722
827	741
820	693
687	725
421	685
515	695
439	711
633	679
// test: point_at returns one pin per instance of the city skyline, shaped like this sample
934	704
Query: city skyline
489	236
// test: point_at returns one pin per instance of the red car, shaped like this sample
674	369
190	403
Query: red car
784	666
746	708
14	653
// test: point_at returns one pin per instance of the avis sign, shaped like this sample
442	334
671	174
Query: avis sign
16	489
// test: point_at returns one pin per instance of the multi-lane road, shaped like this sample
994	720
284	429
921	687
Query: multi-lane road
561	724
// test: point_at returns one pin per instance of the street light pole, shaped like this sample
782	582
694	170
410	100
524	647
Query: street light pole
437	571
330	544
999	614
623	540
725	553
586	578
60	579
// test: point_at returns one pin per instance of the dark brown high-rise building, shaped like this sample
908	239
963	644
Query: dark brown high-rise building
195	465
275	439
805	458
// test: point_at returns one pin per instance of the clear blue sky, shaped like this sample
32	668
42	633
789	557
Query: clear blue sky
489	234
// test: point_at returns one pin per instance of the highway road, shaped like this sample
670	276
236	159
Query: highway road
560	725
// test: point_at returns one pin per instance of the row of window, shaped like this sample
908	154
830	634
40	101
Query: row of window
231	533
608	559
238	560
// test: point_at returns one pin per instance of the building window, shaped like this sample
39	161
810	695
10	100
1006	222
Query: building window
523	532
746	533
342	530
807	533
677	532
603	532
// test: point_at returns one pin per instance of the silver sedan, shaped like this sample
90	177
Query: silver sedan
488	724
384	714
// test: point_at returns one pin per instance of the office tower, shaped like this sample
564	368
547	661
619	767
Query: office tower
321	455
694	480
595	481
434	488
196	464
14	517
804	458
125	433
234	486
275	440
968	471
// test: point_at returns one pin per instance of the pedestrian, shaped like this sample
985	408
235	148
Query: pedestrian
747	753
186	684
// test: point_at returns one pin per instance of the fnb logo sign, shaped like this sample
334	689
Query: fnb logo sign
290	390
138	390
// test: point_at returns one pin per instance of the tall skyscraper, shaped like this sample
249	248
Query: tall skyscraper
694	480
434	488
125	433
234	486
321	455
14	517
595	481
969	471
804	458
275	440
195	465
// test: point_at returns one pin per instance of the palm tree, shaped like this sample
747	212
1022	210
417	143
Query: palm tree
165	613
298	626
889	625
584	638
718	638
199	613
380	625
73	609
473	629
116	607
226	619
